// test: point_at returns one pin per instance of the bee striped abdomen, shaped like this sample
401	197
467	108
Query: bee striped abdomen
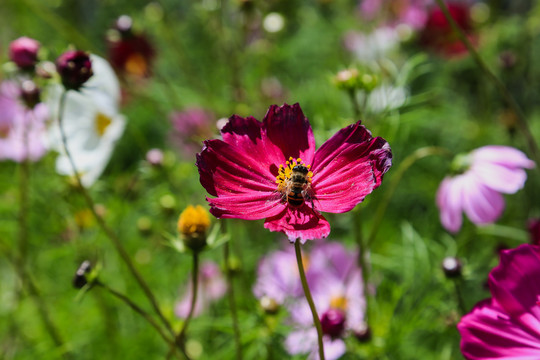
295	199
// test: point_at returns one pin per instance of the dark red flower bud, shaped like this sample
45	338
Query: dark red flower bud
452	267
79	280
30	93
23	52
75	68
333	323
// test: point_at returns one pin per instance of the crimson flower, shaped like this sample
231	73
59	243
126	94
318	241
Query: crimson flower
271	170
507	326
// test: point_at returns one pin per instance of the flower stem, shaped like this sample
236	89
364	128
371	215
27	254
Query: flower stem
309	299
106	229
195	288
232	302
354	101
459	297
362	258
405	164
138	310
522	122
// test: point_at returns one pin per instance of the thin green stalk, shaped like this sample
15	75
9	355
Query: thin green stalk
106	229
232	302
398	175
362	257
195	288
459	297
522	122
354	101
309	299
138	310
179	339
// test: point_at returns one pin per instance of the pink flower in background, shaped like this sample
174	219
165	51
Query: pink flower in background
277	277
22	130
439	36
190	127
338	293
397	12
212	287
271	171
23	52
507	326
486	173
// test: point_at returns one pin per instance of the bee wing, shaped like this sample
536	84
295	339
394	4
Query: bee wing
277	195
309	197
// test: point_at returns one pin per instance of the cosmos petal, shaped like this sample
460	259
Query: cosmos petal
499	177
249	206
225	170
249	136
449	202
489	333
301	223
347	167
515	287
288	128
502	155
481	204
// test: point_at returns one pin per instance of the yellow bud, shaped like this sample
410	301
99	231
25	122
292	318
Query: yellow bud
193	225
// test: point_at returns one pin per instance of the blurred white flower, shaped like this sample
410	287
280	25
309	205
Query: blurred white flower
273	22
385	98
373	46
91	123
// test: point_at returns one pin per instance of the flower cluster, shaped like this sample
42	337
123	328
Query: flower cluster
336	284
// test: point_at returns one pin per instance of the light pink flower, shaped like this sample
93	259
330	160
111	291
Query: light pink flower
336	284
250	171
396	12
211	287
490	171
507	326
22	130
190	127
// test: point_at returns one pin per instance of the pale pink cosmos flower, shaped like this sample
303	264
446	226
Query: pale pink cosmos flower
22	130
338	293
211	287
507	326
271	170
190	127
489	172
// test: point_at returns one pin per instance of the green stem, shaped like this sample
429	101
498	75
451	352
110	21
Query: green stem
232	302
195	288
362	259
138	310
309	299
406	164
354	101
106	229
522	122
459	297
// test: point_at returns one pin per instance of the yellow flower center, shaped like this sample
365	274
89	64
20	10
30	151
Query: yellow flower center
136	65
338	302
194	221
102	122
283	179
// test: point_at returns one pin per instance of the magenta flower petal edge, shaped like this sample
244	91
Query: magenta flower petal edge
271	170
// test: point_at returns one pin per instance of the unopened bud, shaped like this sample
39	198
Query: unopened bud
269	305
193	224
80	280
452	267
30	93
24	51
74	68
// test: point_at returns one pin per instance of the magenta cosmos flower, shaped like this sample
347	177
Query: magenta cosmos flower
270	170
507	326
484	175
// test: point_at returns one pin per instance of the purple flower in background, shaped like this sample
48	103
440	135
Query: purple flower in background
23	52
338	293
507	326
484	175
397	12
212	287
190	127
336	284
277	277
21	129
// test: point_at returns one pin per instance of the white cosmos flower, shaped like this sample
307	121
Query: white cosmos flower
90	121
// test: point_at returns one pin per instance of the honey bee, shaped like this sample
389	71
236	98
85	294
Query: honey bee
298	187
